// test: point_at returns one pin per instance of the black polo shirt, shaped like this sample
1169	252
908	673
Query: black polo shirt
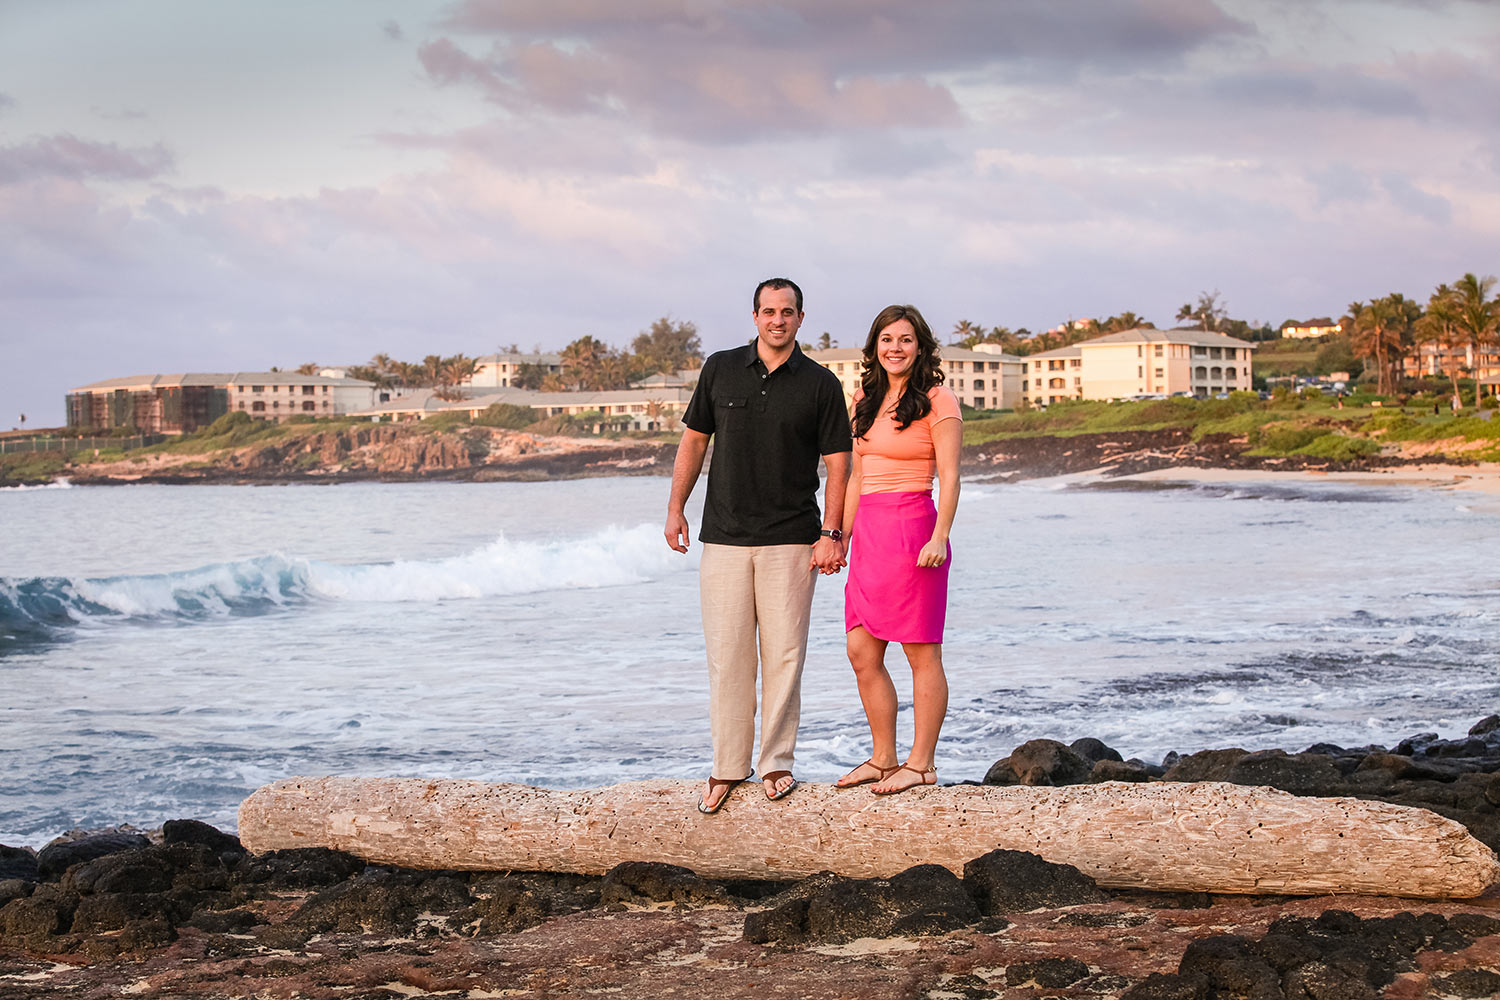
769	431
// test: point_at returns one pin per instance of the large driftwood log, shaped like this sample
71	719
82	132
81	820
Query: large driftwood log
1204	836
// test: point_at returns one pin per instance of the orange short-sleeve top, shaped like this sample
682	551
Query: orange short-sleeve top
903	461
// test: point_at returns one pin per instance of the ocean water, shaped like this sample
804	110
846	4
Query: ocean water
165	650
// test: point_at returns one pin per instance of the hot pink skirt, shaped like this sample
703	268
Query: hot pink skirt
887	592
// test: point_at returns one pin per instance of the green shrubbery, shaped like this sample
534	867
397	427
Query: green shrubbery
506	416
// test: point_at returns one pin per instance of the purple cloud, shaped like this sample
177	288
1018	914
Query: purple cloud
736	71
67	156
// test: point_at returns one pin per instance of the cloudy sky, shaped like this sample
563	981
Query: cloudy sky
190	186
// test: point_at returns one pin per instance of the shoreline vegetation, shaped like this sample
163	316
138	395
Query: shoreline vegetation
1288	432
187	911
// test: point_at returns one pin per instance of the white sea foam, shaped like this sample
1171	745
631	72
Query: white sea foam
613	557
60	483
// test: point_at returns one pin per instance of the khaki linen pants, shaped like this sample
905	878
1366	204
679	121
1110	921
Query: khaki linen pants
748	589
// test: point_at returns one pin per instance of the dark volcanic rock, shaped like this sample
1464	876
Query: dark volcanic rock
1168	986
58	858
1469	983
1040	762
1205	765
1300	774
15	888
1094	751
299	868
636	882
380	901
1048	973
927	899
191	831
1230	967
34	921
1119	770
17	862
510	906
1004	882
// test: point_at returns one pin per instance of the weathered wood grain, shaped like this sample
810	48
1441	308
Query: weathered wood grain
1206	836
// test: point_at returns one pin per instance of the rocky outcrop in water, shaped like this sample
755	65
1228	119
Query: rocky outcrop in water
1459	779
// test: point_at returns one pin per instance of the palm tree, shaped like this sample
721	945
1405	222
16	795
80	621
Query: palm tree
1382	333
1478	321
966	334
580	361
1437	328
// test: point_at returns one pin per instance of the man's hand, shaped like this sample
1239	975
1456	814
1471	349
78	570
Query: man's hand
678	534
827	556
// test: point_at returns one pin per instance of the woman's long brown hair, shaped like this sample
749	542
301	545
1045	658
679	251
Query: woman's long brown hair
926	372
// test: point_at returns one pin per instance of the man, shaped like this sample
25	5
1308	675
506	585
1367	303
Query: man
771	413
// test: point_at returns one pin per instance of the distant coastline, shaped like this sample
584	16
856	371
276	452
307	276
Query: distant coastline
1289	434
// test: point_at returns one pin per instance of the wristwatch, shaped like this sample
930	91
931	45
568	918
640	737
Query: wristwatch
833	533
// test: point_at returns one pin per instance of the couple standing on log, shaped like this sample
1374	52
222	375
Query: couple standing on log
772	413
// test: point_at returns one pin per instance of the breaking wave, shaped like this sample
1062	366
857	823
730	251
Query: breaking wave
43	608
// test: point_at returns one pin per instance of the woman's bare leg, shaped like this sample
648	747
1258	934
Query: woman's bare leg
878	695
929	689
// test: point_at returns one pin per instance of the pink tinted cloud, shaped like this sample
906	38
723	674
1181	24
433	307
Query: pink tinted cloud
67	156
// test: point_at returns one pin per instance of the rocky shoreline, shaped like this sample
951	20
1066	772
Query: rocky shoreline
401	453
187	912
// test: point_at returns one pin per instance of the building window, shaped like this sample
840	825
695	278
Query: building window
1076	363
1160	373
259	406
1140	351
979	383
978	402
1158	350
1200	373
257	388
308	406
1140	371
308	390
994	366
1217	374
1057	383
1229	374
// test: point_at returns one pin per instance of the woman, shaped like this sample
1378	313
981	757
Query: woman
906	428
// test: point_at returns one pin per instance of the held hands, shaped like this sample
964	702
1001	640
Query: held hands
934	553
678	534
827	556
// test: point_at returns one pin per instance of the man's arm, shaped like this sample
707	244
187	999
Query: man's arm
827	554
685	471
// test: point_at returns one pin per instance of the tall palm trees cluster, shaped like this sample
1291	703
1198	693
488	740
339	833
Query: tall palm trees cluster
1022	341
1459	326
588	363
443	375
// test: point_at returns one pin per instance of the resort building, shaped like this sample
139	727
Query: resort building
498	371
1140	362
181	403
1438	359
1294	330
1051	376
656	409
982	380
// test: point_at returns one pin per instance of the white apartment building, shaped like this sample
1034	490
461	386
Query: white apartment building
982	379
498	371
1140	362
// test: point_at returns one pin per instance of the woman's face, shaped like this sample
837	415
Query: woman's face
896	348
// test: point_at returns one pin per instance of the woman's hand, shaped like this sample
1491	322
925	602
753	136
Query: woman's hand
934	553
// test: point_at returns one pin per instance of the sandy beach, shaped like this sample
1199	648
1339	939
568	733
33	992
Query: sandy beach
1482	478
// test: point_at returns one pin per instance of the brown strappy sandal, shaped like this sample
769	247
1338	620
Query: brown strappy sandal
921	774
885	772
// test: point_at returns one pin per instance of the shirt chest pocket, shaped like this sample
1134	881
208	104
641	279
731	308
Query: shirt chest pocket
730	411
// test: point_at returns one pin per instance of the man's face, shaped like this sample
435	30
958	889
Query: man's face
777	320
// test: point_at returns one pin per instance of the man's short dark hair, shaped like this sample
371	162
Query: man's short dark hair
777	283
